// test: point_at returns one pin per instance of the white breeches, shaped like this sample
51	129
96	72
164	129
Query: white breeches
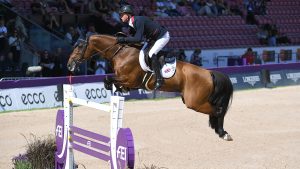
159	44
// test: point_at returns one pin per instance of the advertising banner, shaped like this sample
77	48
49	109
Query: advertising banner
20	95
246	80
285	77
29	98
94	92
292	76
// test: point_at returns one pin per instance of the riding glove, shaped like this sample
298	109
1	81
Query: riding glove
121	40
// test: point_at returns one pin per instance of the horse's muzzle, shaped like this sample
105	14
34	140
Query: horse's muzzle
72	66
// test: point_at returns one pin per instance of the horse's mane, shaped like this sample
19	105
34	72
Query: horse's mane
101	35
136	45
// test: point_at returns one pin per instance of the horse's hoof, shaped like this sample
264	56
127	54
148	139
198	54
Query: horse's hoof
227	137
108	86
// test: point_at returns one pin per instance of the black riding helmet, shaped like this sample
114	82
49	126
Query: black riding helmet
126	9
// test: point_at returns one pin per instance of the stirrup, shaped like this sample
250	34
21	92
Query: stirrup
158	84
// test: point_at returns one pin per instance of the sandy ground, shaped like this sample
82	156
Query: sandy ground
264	123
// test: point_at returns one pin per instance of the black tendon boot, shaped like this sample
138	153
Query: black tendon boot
156	68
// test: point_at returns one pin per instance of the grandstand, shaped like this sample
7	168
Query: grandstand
223	31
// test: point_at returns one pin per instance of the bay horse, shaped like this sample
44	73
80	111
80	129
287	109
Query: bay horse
206	91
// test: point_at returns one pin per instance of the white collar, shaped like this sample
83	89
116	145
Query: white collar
130	22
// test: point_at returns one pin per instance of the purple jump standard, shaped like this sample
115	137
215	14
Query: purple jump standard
118	150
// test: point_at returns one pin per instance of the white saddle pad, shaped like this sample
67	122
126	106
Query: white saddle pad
167	71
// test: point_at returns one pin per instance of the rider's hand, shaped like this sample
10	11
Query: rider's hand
121	40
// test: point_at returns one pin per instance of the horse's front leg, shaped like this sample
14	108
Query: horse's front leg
110	81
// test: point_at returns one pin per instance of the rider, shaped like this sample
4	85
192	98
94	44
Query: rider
145	27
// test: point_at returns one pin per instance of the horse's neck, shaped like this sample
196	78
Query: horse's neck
128	55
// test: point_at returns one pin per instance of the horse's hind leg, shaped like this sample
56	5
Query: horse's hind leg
216	118
216	122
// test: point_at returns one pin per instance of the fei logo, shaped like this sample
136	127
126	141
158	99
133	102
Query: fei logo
58	131
121	153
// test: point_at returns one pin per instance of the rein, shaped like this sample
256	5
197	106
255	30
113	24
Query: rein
84	44
107	49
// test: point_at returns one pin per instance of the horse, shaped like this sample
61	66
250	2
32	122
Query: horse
205	91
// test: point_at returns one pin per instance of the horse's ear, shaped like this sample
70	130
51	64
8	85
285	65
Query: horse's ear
120	34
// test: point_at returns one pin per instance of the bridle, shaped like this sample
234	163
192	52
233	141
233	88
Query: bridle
83	45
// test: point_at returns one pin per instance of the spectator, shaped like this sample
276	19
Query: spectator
49	6
248	57
107	18
161	9
47	64
196	5
196	57
14	42
91	8
181	55
51	23
9	62
101	66
203	7
3	34
91	66
77	5
171	8
115	15
123	2
97	66
145	11
222	7
72	35
63	7
58	58
91	31
102	6
262	34
183	9
245	3
20	27
37	8
2	62
250	19
172	53
211	9
272	34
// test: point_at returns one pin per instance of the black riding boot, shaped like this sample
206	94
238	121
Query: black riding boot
156	68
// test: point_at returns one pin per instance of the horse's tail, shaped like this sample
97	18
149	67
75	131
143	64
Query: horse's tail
221	97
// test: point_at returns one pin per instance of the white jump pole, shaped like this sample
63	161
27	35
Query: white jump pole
116	112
